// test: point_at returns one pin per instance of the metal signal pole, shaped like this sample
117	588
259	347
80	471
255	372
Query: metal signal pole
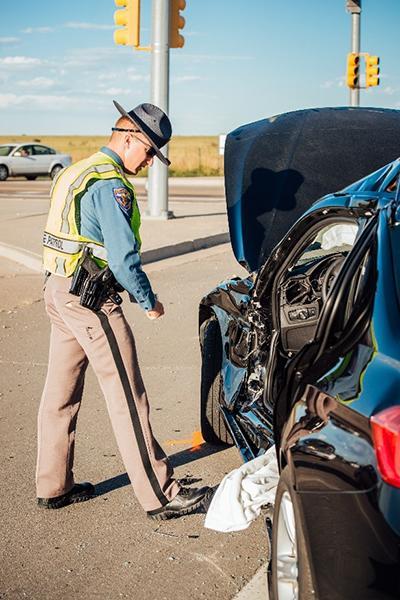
354	7
157	207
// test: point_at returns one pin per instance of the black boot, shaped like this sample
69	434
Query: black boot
79	493
185	502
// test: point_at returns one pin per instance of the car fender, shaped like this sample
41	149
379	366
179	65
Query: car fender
4	160
228	302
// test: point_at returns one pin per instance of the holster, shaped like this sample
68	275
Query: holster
94	284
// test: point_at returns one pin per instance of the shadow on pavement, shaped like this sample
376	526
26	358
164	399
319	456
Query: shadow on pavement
177	460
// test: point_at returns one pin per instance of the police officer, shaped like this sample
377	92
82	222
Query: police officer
93	206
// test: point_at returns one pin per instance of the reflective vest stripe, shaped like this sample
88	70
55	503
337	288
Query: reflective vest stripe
63	243
60	266
74	187
98	251
70	247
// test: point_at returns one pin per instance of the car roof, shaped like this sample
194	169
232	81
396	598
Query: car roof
28	143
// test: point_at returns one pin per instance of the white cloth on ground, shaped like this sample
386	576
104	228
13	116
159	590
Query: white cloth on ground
242	493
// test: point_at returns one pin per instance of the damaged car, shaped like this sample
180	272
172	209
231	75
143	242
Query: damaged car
303	353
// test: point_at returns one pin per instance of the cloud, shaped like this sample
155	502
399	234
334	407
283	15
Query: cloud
137	77
214	57
90	57
38	30
17	61
79	25
38	83
193	33
185	78
7	100
8	40
330	83
40	101
114	91
389	90
107	76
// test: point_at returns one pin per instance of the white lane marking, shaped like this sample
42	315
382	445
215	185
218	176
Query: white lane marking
31	260
23	216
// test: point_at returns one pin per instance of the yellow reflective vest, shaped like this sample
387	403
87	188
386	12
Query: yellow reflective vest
62	242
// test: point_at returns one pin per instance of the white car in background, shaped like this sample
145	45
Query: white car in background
30	160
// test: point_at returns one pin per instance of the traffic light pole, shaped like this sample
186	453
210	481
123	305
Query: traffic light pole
354	7
157	206
355	47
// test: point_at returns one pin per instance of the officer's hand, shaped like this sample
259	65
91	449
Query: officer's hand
157	311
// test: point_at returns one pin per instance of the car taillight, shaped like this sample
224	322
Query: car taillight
386	435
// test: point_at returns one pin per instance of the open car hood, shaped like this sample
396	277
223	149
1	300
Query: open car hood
276	168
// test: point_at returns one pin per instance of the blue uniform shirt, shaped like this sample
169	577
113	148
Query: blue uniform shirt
105	218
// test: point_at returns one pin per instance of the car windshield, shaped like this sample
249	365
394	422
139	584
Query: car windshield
337	237
5	150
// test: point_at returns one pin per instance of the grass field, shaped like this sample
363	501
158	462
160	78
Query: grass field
189	155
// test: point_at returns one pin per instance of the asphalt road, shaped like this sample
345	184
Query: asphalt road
180	188
107	548
197	203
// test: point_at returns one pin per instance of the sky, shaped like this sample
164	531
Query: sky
243	60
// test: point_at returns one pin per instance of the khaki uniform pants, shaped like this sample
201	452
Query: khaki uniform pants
79	336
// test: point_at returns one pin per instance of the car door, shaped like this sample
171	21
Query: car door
326	440
43	158
23	160
312	323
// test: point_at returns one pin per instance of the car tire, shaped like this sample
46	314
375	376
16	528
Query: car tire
31	177
289	571
3	173
55	171
213	427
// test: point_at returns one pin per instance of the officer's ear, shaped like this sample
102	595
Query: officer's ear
128	140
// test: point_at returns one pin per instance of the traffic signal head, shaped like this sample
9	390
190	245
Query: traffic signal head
372	70
353	67
176	23
129	18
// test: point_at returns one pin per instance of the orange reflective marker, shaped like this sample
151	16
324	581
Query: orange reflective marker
196	441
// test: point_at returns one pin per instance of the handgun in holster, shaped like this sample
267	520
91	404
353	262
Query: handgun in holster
94	284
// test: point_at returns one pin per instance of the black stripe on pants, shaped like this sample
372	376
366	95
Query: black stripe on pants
132	408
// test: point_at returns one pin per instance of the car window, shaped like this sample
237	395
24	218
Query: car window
42	150
331	239
309	277
5	150
25	150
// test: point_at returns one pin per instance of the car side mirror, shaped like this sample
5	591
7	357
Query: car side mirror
17	153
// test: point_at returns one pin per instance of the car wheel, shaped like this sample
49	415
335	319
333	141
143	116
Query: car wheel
290	573
31	177
55	171
213	426
3	172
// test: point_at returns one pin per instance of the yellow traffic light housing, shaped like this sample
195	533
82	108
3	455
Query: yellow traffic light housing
129	18
353	68
372	70
176	23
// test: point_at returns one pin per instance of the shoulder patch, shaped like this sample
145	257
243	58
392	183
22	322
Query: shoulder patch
123	197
